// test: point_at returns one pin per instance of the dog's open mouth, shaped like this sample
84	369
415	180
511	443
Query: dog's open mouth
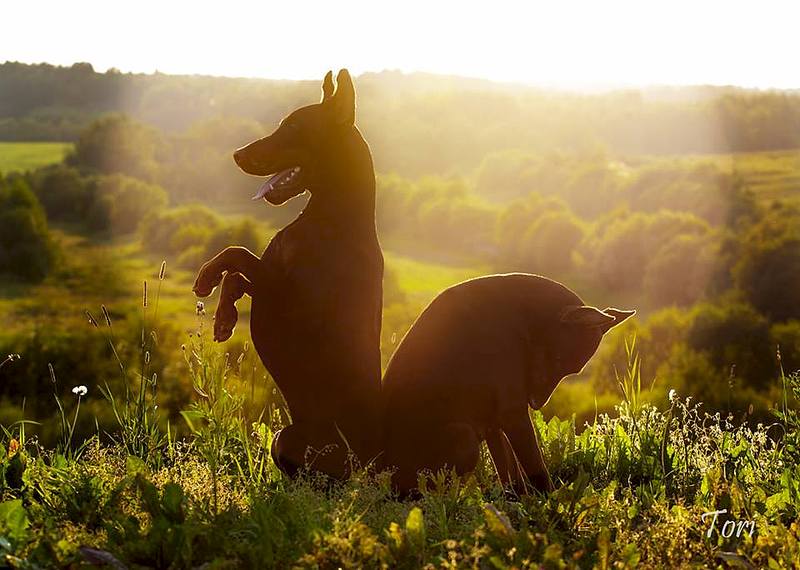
281	186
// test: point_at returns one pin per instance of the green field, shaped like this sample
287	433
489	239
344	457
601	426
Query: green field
22	156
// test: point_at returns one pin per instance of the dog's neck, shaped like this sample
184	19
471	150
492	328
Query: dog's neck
346	197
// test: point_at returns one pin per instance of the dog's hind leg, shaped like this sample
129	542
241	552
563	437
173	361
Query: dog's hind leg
317	447
522	437
505	462
431	448
234	286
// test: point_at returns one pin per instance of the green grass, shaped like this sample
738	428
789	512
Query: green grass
23	156
422	281
631	491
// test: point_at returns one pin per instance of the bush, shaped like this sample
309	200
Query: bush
121	203
192	234
65	194
117	144
26	250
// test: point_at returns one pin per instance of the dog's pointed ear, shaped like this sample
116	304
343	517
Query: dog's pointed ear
618	314
586	316
327	86
344	100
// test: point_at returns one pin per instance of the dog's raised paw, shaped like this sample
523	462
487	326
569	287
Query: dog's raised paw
225	322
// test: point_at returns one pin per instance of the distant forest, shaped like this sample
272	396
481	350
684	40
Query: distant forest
417	124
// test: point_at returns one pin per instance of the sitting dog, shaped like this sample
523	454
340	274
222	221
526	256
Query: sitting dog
317	288
475	359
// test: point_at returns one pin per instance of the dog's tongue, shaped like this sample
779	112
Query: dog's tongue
270	182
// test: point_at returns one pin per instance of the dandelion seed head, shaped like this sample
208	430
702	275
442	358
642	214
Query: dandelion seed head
80	390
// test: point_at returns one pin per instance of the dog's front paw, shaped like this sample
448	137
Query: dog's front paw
207	279
225	321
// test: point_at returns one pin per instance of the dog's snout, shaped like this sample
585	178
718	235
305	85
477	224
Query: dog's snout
238	157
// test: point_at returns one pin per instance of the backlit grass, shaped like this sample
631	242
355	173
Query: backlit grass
23	156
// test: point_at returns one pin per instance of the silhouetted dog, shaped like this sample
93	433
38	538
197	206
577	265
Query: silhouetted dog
317	289
475	359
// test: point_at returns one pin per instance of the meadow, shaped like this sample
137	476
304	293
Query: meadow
30	155
130	440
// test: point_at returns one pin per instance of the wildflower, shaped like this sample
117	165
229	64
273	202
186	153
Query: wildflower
672	395
200	308
80	391
13	448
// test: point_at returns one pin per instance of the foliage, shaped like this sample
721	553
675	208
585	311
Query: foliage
26	250
194	234
631	489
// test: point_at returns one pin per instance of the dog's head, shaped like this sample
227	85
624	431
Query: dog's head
570	344
296	156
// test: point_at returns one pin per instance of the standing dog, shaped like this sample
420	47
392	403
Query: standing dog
475	359
317	289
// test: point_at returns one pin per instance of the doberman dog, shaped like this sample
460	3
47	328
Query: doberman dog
317	288
470	366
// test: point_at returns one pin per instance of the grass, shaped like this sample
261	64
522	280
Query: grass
422	281
23	156
632	490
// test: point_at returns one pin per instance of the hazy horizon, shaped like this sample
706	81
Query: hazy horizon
570	45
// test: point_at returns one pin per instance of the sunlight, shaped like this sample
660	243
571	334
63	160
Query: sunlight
564	44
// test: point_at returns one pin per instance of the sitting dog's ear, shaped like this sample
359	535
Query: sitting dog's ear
327	86
344	100
590	317
618	314
593	317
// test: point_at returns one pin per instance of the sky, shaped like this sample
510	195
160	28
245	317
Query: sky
596	43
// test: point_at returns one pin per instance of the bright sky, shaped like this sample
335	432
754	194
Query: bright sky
562	42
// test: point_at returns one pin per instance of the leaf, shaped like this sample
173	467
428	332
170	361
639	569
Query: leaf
135	466
415	527
149	496
191	417
14	519
497	522
172	501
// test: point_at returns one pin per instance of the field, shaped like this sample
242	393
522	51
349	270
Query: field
16	156
634	488
128	439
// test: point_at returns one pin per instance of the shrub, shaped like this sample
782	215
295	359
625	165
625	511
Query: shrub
26	250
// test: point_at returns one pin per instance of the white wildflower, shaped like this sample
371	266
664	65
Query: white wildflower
80	390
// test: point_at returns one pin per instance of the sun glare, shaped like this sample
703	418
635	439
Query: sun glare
556	43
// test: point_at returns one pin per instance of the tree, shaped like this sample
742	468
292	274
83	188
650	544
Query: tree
117	144
26	250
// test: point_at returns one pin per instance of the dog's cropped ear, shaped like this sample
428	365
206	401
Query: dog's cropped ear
327	86
344	100
618	314
590	317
